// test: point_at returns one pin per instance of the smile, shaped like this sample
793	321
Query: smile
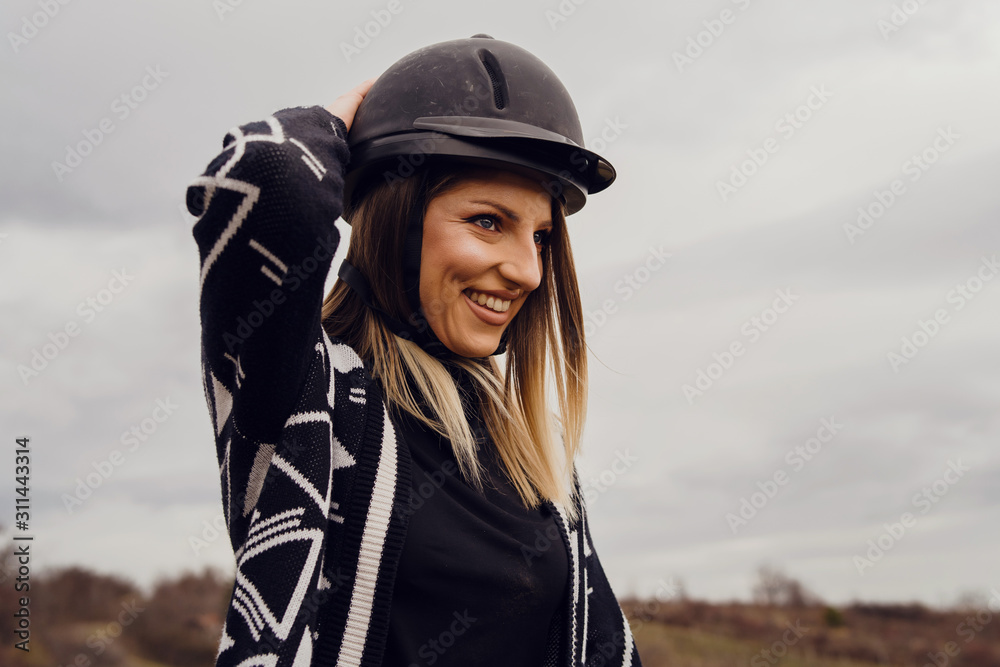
489	301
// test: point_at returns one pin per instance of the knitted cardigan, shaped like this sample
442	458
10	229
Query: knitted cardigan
315	486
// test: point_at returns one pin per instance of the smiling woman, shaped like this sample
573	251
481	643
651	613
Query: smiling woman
398	488
482	254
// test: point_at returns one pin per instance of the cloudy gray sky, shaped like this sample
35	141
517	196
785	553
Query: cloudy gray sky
747	134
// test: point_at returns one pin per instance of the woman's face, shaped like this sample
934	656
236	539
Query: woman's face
481	257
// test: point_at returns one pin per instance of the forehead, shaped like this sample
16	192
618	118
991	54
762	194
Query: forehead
510	188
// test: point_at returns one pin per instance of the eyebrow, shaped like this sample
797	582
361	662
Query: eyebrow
506	211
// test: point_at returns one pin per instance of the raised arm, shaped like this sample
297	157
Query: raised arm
266	208
266	237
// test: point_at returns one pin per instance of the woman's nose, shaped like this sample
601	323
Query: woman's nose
522	263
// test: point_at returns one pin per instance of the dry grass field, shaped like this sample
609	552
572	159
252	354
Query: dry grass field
84	619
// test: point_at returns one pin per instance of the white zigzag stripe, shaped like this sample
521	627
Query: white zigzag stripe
306	417
339	456
239	147
276	130
574	560
627	657
267	253
299	478
322	348
245	613
225	642
228	477
370	555
252	193
342	357
270	274
283	627
256	622
303	655
276	528
222	402
309	158
239	144
319	175
298	512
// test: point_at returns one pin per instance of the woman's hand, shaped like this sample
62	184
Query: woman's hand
345	106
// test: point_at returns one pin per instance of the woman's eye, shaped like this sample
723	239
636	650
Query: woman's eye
486	223
542	237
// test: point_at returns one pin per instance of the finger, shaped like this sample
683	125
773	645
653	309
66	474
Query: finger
346	106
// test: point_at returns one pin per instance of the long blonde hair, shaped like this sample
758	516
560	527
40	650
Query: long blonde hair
547	335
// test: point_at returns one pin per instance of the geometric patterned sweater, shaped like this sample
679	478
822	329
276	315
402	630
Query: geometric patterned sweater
315	486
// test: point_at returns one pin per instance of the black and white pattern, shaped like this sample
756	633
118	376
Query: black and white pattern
313	484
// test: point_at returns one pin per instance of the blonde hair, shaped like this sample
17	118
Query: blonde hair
546	336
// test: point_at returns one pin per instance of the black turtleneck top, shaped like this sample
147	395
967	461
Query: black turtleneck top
482	579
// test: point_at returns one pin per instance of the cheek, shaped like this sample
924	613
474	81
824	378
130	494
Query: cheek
447	266
451	264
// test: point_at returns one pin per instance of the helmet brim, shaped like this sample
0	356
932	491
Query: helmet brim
567	172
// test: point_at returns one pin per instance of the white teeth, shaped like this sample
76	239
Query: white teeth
493	303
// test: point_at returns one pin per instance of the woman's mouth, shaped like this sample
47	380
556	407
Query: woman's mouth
495	304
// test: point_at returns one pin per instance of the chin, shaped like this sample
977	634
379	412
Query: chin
474	349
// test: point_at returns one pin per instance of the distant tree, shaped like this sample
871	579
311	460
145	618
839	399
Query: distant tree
971	601
775	588
833	617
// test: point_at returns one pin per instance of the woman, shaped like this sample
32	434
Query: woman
394	495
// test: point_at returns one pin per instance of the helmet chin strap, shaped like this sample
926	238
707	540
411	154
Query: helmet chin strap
416	329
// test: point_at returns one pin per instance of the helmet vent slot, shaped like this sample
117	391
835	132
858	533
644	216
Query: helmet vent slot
497	79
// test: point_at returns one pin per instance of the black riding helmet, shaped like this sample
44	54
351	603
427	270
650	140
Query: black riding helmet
477	100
